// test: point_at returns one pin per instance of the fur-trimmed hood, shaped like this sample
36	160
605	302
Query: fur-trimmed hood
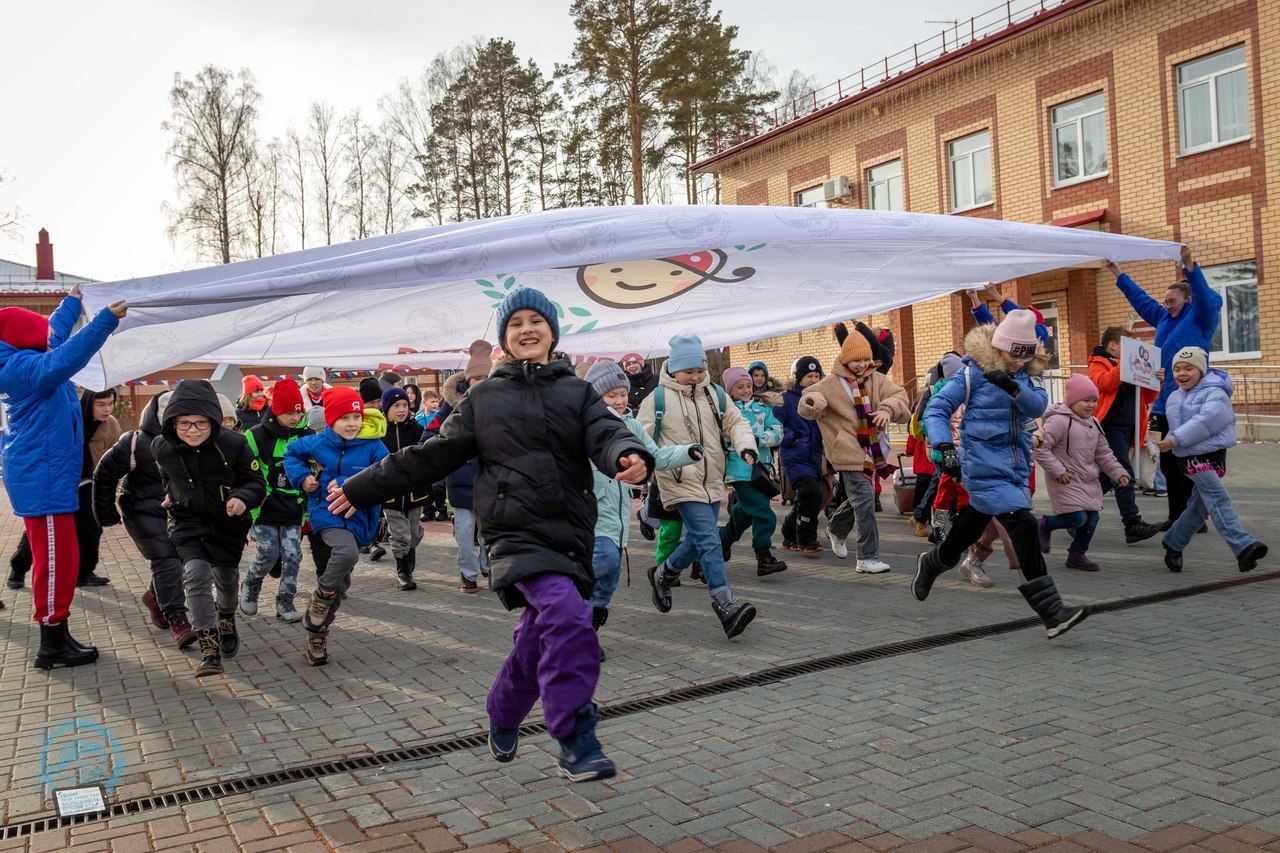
450	392
977	343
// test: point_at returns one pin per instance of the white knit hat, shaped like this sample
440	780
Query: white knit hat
314	373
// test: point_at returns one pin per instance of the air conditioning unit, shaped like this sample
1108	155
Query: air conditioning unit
835	188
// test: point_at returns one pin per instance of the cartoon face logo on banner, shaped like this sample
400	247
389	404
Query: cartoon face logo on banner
639	284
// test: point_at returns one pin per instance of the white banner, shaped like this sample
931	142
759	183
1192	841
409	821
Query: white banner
624	278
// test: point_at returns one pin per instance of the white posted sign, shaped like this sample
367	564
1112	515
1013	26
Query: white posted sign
1139	362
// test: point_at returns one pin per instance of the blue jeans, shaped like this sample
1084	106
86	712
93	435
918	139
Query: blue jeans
606	560
1208	498
701	543
472	558
1083	521
1119	439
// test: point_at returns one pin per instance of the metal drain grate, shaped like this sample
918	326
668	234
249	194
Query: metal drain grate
257	782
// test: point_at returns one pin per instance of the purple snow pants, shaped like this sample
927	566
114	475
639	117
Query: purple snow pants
556	656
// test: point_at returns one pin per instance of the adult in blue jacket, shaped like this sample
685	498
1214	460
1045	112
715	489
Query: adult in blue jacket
43	452
1187	317
801	454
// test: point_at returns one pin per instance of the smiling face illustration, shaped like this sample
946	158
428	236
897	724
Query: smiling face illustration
637	284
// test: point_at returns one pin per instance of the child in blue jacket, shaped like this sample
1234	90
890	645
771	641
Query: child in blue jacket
1202	425
751	509
1002	403
312	464
43	454
801	456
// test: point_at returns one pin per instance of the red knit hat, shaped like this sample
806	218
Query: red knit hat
285	398
341	400
251	384
23	329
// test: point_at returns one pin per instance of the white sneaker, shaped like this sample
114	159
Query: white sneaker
970	569
838	547
873	566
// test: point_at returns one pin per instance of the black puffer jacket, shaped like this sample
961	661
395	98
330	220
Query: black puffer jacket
284	505
642	385
200	480
130	459
398	437
536	429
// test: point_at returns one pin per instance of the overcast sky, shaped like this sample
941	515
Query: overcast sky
86	85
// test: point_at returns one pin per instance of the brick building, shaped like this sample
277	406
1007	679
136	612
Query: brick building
1142	117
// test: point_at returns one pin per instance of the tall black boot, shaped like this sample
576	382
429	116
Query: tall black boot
929	567
734	617
767	564
76	644
404	574
1042	595
56	651
599	616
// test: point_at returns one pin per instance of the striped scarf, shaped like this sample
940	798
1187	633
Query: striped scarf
873	461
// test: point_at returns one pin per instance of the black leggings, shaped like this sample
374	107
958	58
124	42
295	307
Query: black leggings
1019	524
801	524
1177	483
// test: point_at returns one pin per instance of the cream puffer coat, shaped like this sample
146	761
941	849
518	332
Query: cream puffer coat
689	417
828	403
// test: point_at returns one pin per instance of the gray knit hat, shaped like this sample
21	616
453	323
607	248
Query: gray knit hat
605	376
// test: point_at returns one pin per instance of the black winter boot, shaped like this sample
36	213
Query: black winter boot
228	637
734	617
929	568
767	564
76	644
1042	595
581	757
404	574
57	650
210	654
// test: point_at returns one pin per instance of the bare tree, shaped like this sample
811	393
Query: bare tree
213	137
263	190
359	154
296	173
322	144
388	179
9	217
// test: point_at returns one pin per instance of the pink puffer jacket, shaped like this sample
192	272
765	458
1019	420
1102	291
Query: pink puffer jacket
1072	443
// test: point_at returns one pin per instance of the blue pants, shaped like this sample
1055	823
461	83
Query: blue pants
1208	498
555	656
701	543
606	560
1119	439
1085	523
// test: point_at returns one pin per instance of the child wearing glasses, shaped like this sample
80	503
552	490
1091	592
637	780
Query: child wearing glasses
211	481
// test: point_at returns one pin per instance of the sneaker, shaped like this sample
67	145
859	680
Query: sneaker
248	599
1139	531
1249	557
503	743
811	550
1172	559
1155	493
839	548
872	566
788	546
285	611
153	607
581	757
16	579
467	585
971	569
92	580
317	648
322	610
183	634
645	530
1045	534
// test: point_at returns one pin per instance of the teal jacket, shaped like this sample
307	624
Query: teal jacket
768	432
613	498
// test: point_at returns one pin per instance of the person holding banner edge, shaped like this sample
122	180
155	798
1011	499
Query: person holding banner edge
1187	316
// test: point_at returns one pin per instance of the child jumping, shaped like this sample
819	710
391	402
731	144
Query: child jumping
1202	425
277	524
1073	449
751	509
536	429
211	480
853	406
693	413
313	464
1002	403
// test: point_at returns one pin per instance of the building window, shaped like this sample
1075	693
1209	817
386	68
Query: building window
970	171
1238	334
811	197
1213	101
1079	140
884	186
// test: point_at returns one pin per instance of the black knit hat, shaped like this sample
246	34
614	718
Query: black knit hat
805	365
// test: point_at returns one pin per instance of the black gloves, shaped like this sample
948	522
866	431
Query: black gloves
950	464
1003	381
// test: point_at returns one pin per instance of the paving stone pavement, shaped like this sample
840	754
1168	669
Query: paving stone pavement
1147	728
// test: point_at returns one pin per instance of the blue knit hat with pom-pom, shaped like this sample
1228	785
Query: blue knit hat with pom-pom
535	300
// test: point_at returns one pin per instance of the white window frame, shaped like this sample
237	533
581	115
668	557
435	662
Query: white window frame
1211	81
957	162
814	200
886	185
1221	287
1078	122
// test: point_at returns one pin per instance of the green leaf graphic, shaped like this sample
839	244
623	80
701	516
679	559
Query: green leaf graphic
559	310
495	294
579	312
586	327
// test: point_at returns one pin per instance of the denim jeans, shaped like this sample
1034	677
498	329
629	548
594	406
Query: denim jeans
924	506
859	505
606	560
1208	498
1084	522
472	558
701	543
